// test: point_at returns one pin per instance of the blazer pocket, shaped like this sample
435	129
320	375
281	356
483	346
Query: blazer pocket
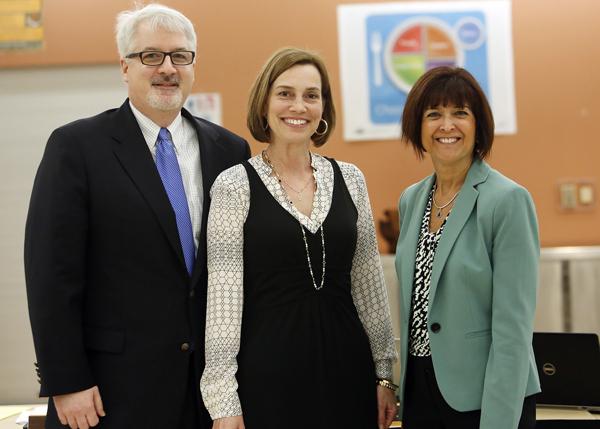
103	340
477	334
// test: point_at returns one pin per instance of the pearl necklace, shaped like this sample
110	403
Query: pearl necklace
267	160
439	208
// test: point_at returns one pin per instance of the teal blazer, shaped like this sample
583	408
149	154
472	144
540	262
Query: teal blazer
483	292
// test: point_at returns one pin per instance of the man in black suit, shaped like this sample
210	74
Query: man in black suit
115	244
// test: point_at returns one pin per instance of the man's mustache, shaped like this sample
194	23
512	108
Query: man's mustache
165	79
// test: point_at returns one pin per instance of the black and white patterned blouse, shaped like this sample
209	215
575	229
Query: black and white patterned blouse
418	335
229	207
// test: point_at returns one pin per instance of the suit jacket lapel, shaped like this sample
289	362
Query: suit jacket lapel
413	228
458	217
210	170
133	154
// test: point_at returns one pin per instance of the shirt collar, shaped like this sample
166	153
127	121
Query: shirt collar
316	162
150	129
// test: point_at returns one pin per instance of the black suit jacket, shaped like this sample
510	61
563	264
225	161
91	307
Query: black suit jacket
110	300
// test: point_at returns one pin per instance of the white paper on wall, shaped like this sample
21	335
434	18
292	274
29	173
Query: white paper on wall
385	47
206	105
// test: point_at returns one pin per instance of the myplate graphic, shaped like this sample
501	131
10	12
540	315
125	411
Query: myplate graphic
416	46
385	48
403	47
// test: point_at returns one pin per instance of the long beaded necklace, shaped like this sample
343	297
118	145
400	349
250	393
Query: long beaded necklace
439	208
267	160
281	179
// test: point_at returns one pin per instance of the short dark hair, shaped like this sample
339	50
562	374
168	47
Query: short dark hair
445	86
282	60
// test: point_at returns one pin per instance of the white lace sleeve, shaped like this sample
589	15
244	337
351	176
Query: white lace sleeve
230	199
368	286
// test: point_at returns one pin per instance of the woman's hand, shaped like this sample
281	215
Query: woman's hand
235	422
386	407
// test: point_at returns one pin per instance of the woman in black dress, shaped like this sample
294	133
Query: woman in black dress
298	330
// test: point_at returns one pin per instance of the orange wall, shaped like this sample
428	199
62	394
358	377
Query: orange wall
556	53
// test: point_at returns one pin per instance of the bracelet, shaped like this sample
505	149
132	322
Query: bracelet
386	383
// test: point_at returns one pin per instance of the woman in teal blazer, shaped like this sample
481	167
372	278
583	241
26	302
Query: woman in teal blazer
467	263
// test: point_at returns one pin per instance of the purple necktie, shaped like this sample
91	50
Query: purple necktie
170	174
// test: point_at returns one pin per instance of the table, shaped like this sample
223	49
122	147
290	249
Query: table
9	413
547	418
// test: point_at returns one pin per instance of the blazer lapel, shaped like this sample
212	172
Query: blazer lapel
413	228
133	154
210	169
458	217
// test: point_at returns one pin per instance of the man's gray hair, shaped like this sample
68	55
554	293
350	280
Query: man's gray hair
158	17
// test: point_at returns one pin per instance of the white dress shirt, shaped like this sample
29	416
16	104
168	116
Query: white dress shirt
187	150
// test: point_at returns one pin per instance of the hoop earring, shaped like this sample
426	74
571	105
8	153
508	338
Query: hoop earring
325	130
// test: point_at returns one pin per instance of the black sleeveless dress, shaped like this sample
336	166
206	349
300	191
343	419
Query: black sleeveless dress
304	360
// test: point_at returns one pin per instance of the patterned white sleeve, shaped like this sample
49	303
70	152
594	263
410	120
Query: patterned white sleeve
369	292
230	199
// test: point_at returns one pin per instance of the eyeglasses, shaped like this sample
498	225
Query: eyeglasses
156	58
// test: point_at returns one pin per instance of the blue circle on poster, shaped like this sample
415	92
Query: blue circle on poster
470	33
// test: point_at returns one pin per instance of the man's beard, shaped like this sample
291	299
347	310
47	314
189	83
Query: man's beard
165	102
159	101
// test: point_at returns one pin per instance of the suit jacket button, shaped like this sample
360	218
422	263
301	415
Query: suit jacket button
192	293
435	327
185	347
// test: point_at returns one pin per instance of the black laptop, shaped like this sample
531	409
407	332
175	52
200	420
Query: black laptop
569	369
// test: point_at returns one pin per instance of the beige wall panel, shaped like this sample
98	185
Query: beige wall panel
556	58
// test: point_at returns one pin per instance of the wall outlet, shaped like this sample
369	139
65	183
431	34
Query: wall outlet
586	195
568	196
577	194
